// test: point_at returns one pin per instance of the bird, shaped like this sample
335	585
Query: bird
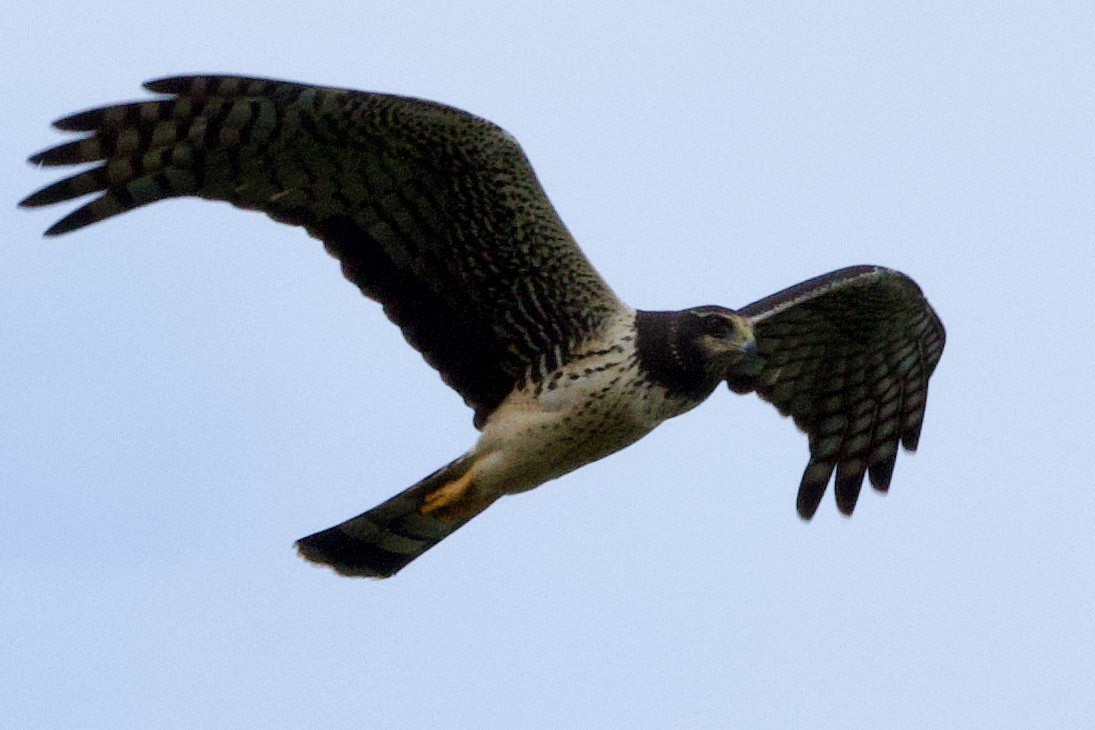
437	215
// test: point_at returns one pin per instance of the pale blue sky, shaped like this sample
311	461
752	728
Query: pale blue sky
187	389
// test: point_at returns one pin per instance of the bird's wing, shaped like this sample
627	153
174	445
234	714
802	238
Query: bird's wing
433	212
848	356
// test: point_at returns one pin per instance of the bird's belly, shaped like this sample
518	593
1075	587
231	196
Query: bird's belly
542	433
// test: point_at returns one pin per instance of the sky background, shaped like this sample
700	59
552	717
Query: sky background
187	389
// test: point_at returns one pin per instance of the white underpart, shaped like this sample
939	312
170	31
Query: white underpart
598	405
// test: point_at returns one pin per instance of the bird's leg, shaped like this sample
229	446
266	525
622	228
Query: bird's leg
451	500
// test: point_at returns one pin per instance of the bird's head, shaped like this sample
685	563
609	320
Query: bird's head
724	339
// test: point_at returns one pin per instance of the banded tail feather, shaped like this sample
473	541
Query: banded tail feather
381	542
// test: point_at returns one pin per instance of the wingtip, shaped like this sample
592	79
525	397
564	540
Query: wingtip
67	224
910	440
848	484
85	121
845	504
168	84
812	487
880	470
205	84
809	499
806	506
71	222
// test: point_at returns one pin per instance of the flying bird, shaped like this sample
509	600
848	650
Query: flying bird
438	216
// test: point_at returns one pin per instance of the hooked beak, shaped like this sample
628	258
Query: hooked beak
743	373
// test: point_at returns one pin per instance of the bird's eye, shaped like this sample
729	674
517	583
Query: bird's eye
718	327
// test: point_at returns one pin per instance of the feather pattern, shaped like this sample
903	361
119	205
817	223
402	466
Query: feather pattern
432	211
848	355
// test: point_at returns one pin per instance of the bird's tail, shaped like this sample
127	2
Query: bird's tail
380	542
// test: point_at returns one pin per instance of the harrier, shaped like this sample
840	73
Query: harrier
438	216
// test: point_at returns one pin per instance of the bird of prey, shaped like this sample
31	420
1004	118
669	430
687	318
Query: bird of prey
438	216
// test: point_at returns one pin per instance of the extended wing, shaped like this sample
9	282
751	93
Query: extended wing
848	356
433	212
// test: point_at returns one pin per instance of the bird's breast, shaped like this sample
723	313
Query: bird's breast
596	404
